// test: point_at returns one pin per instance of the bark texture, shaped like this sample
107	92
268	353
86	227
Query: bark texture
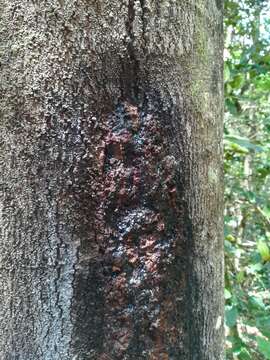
110	180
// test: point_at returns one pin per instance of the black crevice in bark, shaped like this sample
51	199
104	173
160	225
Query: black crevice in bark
192	295
130	64
72	300
143	17
58	268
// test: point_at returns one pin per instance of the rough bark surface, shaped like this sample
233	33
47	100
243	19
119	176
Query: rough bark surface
110	180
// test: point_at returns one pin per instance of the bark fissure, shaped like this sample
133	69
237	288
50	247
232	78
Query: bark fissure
131	64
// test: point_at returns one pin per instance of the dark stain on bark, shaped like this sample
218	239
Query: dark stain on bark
136	240
88	335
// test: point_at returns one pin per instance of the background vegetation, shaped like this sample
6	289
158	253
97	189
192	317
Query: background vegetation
247	180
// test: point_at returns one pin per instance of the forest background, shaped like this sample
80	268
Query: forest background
247	180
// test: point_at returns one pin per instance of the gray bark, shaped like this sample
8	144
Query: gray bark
110	180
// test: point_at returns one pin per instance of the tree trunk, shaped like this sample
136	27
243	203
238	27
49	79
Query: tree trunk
110	184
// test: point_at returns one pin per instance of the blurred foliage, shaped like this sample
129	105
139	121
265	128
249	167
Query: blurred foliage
247	179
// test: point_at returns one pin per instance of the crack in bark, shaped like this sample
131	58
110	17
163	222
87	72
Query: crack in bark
132	67
144	32
72	301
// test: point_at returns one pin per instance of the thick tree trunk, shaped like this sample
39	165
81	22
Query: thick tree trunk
110	180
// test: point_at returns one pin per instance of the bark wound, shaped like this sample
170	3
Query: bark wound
137	226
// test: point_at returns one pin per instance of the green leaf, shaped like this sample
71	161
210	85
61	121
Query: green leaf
231	106
230	238
254	268
264	346
256	303
263	250
240	277
238	81
266	212
244	354
243	142
231	314
238	149
226	72
263	324
227	294
250	195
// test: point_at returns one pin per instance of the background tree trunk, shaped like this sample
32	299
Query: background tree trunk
111	194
